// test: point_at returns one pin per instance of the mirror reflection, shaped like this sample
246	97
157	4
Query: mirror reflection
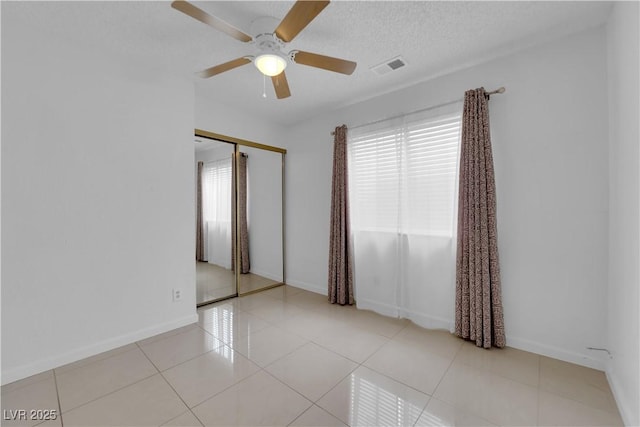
260	219
215	278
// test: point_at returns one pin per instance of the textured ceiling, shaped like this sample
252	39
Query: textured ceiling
433	38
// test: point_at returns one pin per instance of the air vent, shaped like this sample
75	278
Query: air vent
388	66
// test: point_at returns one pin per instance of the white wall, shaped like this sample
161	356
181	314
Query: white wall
550	146
624	278
97	192
213	116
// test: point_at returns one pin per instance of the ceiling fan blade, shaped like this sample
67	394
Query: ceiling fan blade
281	85
221	68
302	12
325	62
217	23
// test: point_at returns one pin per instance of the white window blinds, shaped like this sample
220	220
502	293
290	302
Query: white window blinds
216	190
402	174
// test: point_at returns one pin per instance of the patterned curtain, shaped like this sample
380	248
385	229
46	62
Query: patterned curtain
340	256
242	227
479	314
199	232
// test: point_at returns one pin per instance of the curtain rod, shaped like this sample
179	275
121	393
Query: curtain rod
488	94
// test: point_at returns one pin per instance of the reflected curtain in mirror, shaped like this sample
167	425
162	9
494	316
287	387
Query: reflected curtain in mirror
199	233
479	315
340	256
242	228
217	201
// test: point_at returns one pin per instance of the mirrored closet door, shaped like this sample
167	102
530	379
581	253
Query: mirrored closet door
260	219
215	201
240	214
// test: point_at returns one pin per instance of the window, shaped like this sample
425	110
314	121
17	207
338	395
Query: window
403	177
216	191
402	189
217	199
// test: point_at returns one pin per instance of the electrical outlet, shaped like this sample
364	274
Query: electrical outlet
177	294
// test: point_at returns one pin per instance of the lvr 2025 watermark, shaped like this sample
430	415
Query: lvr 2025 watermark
29	414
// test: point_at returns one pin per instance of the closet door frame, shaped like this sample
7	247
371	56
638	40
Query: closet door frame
238	142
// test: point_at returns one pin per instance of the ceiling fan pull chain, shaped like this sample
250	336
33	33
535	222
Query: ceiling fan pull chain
264	86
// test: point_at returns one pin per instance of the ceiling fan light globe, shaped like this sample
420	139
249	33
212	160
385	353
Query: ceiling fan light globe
270	65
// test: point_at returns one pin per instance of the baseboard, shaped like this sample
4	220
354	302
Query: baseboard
625	407
555	353
432	322
307	287
56	361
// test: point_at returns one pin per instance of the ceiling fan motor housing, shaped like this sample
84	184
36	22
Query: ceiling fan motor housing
268	43
264	39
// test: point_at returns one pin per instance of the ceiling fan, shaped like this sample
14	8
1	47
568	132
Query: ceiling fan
270	58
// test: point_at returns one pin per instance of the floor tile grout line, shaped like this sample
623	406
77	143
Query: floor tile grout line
147	357
223	344
376	351
422	411
615	410
538	393
359	365
336	385
181	399
181	414
431	396
225	389
296	391
298	417
313	340
483	372
455	356
260	369
292	389
582	403
55	381
407	385
396	380
306	343
538	407
498	374
347	357
196	417
111	392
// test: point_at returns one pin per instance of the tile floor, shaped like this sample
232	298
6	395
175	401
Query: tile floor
287	357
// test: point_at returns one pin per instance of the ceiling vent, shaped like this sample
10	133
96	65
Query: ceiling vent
388	66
